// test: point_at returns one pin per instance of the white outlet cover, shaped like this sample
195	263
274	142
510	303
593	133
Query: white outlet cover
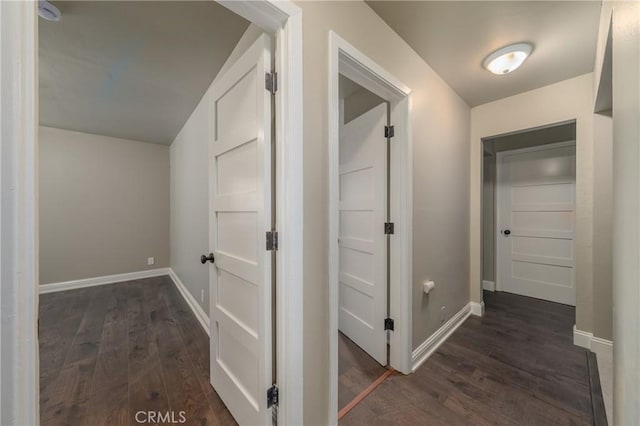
151	261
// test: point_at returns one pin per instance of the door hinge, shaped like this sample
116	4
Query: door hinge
389	131
271	82
388	324
388	228
272	396
272	240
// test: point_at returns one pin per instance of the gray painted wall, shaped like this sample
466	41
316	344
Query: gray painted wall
360	102
189	190
488	217
440	126
104	205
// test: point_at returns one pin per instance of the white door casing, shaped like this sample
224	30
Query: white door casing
536	203
362	241
240	155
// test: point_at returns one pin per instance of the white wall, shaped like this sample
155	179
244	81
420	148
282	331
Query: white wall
104	205
189	189
567	100
626	224
440	125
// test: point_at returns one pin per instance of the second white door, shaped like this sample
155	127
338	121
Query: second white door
536	222
240	216
362	241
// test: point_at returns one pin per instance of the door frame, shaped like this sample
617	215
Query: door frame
499	194
19	203
345	59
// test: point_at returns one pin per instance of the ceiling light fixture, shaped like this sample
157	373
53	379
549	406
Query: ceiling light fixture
48	11
507	59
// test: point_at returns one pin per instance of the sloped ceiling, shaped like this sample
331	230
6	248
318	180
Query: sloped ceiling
454	37
128	69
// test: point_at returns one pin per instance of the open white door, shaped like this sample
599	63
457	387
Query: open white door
362	239
240	215
536	222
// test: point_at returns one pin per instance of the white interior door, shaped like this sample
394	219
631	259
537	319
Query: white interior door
240	215
362	242
536	222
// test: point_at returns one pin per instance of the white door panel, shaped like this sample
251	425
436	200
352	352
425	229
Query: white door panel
240	215
363	253
536	203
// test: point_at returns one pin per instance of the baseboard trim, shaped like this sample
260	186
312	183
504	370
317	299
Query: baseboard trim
488	285
429	346
96	281
582	338
586	339
477	309
197	310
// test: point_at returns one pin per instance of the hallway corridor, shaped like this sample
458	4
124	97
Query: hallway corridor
515	366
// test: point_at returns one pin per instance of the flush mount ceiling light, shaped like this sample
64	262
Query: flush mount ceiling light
507	59
48	11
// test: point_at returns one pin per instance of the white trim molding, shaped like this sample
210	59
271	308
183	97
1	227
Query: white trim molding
477	309
429	346
19	365
201	315
488	285
96	281
347	60
586	339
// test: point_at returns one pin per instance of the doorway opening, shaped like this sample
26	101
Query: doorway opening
99	328
364	256
528	229
370	218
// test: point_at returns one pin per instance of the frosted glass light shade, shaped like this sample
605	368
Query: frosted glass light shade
507	59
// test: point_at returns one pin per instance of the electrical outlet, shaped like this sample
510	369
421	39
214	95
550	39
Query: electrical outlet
151	260
202	295
442	315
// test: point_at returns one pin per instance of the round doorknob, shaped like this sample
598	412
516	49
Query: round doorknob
210	258
507	232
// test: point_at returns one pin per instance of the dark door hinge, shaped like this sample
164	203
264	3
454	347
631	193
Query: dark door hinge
272	396
389	131
388	228
388	324
271	82
272	240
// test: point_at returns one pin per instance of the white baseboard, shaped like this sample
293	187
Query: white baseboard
586	339
488	285
602	347
429	346
477	309
200	314
107	279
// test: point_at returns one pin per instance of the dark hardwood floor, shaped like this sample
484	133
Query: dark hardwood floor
356	370
515	366
109	352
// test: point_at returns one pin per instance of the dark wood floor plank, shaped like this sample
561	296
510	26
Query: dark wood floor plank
356	370
147	389
69	395
109	400
515	366
111	351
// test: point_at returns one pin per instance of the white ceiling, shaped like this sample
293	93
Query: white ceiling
133	70
454	37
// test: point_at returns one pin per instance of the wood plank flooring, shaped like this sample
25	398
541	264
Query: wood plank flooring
108	352
515	366
356	370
